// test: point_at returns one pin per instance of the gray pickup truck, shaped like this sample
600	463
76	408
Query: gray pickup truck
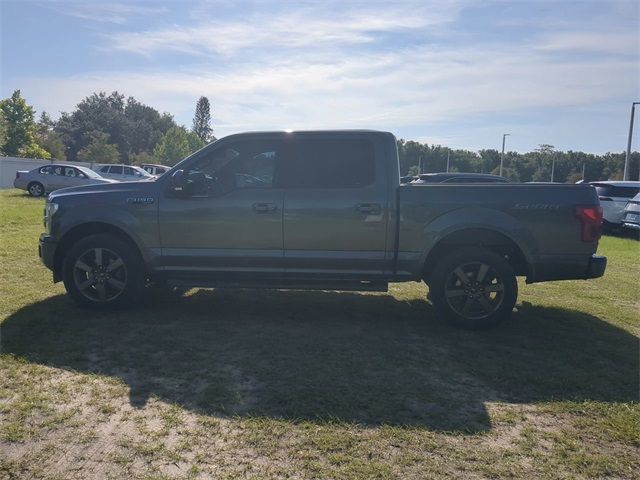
319	210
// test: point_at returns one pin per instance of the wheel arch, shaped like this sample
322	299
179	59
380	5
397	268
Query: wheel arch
480	237
83	230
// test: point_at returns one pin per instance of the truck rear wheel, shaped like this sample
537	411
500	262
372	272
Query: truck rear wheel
473	288
103	271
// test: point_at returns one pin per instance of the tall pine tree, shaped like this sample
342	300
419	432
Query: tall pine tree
202	120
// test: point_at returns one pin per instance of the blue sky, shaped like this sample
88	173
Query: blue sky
458	73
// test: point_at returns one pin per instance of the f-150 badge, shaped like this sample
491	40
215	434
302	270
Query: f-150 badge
141	200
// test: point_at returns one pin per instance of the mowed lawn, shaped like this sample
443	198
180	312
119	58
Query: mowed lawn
261	384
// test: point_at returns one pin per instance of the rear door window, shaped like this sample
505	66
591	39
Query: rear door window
117	169
336	163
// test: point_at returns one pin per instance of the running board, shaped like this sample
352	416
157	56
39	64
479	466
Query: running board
325	284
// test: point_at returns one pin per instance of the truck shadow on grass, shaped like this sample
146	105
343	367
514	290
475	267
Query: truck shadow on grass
330	356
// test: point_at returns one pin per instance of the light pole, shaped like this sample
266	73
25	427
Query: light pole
504	137
448	152
628	155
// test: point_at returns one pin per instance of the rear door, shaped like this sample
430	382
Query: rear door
74	177
58	178
335	207
115	172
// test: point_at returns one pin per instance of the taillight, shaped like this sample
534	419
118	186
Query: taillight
591	221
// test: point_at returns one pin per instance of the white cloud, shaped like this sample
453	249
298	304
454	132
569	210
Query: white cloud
616	43
333	25
315	67
118	13
384	91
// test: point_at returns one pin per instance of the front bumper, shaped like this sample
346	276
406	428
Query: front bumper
47	249
635	226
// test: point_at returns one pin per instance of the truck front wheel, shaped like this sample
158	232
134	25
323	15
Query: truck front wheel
473	288
103	271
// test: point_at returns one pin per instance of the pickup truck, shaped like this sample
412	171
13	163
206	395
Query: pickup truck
319	210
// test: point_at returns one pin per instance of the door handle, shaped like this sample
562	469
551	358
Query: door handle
369	208
264	207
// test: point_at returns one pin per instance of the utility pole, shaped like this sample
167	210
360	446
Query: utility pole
553	167
420	164
448	153
504	136
628	155
584	166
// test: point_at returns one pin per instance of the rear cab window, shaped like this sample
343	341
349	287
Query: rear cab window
327	164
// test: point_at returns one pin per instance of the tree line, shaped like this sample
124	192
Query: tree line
536	166
102	129
114	129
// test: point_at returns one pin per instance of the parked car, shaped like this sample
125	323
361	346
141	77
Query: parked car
631	216
458	177
613	197
156	170
52	177
319	210
124	173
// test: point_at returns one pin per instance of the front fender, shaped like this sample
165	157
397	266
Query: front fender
140	226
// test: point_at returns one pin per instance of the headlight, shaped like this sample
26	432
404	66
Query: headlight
50	209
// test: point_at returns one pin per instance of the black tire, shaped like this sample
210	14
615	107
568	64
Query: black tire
473	288
103	271
35	189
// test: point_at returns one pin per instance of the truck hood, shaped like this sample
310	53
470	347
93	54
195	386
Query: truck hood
101	191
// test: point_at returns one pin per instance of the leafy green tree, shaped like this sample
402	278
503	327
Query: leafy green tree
3	132
132	126
145	126
99	150
142	157
175	145
47	139
202	120
19	125
34	150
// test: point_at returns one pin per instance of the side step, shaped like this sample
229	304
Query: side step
324	284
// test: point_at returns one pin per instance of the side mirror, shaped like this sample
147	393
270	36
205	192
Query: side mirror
178	180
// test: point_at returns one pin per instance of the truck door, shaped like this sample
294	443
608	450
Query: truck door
229	219
335	207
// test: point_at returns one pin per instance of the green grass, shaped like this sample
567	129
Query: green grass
258	384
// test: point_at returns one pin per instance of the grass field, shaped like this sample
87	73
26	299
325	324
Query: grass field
246	384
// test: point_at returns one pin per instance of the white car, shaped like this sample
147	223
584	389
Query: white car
52	177
631	217
614	197
124	173
156	170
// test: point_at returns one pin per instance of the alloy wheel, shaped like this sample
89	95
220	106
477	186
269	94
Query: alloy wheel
100	275
474	290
